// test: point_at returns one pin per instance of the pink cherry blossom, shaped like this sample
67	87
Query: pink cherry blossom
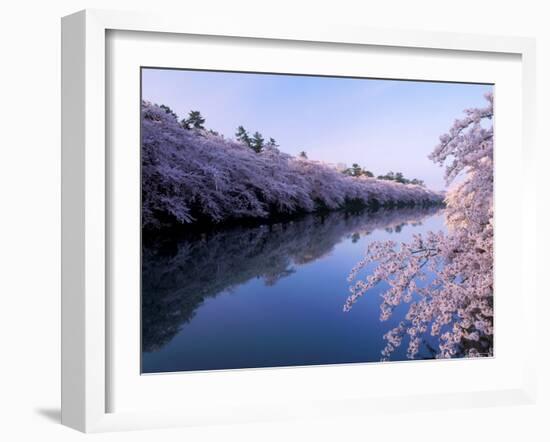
456	303
193	175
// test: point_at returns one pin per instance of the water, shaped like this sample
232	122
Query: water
269	296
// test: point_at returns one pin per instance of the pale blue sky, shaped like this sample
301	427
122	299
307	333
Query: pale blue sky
381	124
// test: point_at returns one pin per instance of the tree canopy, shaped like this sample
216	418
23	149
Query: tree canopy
455	301
195	120
191	175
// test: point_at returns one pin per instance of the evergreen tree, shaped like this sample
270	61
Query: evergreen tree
168	111
303	154
242	136
368	173
389	176
195	120
185	124
257	142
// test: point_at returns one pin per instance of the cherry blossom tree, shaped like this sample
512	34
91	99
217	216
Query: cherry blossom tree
195	175
446	279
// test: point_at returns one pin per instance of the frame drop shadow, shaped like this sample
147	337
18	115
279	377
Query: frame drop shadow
51	414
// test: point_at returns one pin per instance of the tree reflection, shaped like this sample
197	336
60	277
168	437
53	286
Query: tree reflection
178	275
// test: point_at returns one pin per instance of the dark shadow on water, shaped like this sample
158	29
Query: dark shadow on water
178	275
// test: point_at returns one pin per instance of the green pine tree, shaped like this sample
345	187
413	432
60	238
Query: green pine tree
195	120
168	110
257	142
272	142
242	136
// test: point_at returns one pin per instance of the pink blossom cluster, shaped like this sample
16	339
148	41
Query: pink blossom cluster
189	175
446	279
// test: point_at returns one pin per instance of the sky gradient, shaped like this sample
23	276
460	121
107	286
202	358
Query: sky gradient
381	124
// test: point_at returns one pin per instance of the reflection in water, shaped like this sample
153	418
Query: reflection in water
177	276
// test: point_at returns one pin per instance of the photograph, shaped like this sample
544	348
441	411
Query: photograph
307	219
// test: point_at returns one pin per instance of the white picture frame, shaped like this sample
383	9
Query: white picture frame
86	210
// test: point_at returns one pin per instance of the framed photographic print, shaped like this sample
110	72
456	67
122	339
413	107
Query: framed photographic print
265	223
251	244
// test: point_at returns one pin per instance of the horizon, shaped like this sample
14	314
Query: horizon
394	124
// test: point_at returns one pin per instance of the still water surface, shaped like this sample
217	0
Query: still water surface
269	296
